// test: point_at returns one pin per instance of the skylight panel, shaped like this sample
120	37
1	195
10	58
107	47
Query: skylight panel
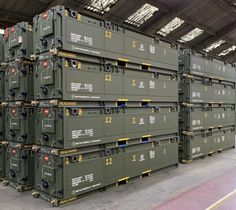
171	26
100	6
141	15
191	35
214	45
227	51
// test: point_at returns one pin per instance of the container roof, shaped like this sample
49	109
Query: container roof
207	26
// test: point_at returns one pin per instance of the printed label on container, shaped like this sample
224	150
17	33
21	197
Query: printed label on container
78	133
79	86
86	178
83	39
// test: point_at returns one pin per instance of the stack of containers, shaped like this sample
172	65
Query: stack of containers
18	93
207	100
2	148
106	105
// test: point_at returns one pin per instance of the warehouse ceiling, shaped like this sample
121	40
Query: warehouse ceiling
207	26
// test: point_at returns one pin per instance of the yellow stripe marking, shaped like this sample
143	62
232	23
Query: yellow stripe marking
123	59
66	54
123	139
148	171
146	100
221	201
146	64
146	136
125	178
123	99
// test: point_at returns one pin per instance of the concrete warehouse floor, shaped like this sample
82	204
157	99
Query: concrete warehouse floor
151	192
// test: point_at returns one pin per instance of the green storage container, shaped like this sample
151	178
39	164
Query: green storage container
201	143
194	89
18	42
200	116
197	64
18	81
60	28
19	123
2	160
62	179
92	79
19	168
70	125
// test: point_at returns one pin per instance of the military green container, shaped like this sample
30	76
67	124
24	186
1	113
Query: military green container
223	92
222	70
20	164
92	79
19	123
60	28
222	140
18	42
18	81
62	179
1	49
2	74
195	89
230	71
194	146
2	123
200	117
191	63
197	64
74	124
2	160
200	143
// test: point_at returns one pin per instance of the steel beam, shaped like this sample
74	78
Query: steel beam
162	6
219	35
114	9
221	48
14	16
230	57
123	10
225	5
154	24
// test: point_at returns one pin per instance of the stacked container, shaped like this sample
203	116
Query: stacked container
106	105
2	147
86	104
18	113
207	100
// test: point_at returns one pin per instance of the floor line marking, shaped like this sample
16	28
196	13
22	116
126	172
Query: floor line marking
219	202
